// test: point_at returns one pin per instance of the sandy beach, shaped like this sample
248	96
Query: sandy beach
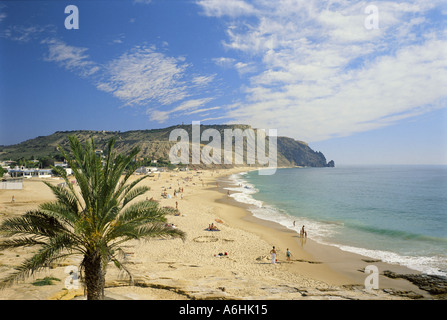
232	263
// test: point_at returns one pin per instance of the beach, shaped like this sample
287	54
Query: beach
232	263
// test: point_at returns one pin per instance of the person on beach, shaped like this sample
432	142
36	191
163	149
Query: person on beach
303	233
288	254
212	227
273	253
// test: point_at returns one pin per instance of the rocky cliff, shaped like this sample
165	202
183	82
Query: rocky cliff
155	144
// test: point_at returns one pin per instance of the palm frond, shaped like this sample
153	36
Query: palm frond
33	223
160	230
20	242
124	189
60	211
48	253
145	211
133	193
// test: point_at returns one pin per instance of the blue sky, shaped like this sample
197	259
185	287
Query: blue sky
313	70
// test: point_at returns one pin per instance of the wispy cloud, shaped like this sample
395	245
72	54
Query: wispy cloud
202	110
224	62
164	85
201	81
142	76
320	73
142	1
232	8
119	39
21	33
241	67
72	58
187	107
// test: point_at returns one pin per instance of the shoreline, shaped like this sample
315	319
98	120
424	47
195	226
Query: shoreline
344	268
172	269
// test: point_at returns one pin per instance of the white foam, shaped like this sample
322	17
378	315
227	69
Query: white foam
319	231
244	192
426	265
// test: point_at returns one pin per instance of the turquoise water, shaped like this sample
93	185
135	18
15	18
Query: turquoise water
394	213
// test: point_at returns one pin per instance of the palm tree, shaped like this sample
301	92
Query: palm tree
92	220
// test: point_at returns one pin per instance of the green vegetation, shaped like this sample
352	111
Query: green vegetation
47	281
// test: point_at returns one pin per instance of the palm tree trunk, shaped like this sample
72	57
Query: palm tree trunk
94	276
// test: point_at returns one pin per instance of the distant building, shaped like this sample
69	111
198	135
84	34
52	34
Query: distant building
141	170
146	170
61	164
65	166
30	173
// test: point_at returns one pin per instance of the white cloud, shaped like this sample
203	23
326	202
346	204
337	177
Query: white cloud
187	107
142	1
159	116
244	67
162	84
202	81
192	104
224	62
119	39
241	67
71	58
202	110
143	75
320	73
213	118
24	34
390	89
231	8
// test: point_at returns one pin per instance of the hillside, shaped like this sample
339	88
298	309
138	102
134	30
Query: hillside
154	144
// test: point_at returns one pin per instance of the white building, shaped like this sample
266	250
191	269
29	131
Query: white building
30	173
146	170
61	164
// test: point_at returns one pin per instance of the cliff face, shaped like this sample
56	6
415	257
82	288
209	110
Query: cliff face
298	153
155	144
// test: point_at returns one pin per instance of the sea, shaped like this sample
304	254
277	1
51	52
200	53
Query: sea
397	214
